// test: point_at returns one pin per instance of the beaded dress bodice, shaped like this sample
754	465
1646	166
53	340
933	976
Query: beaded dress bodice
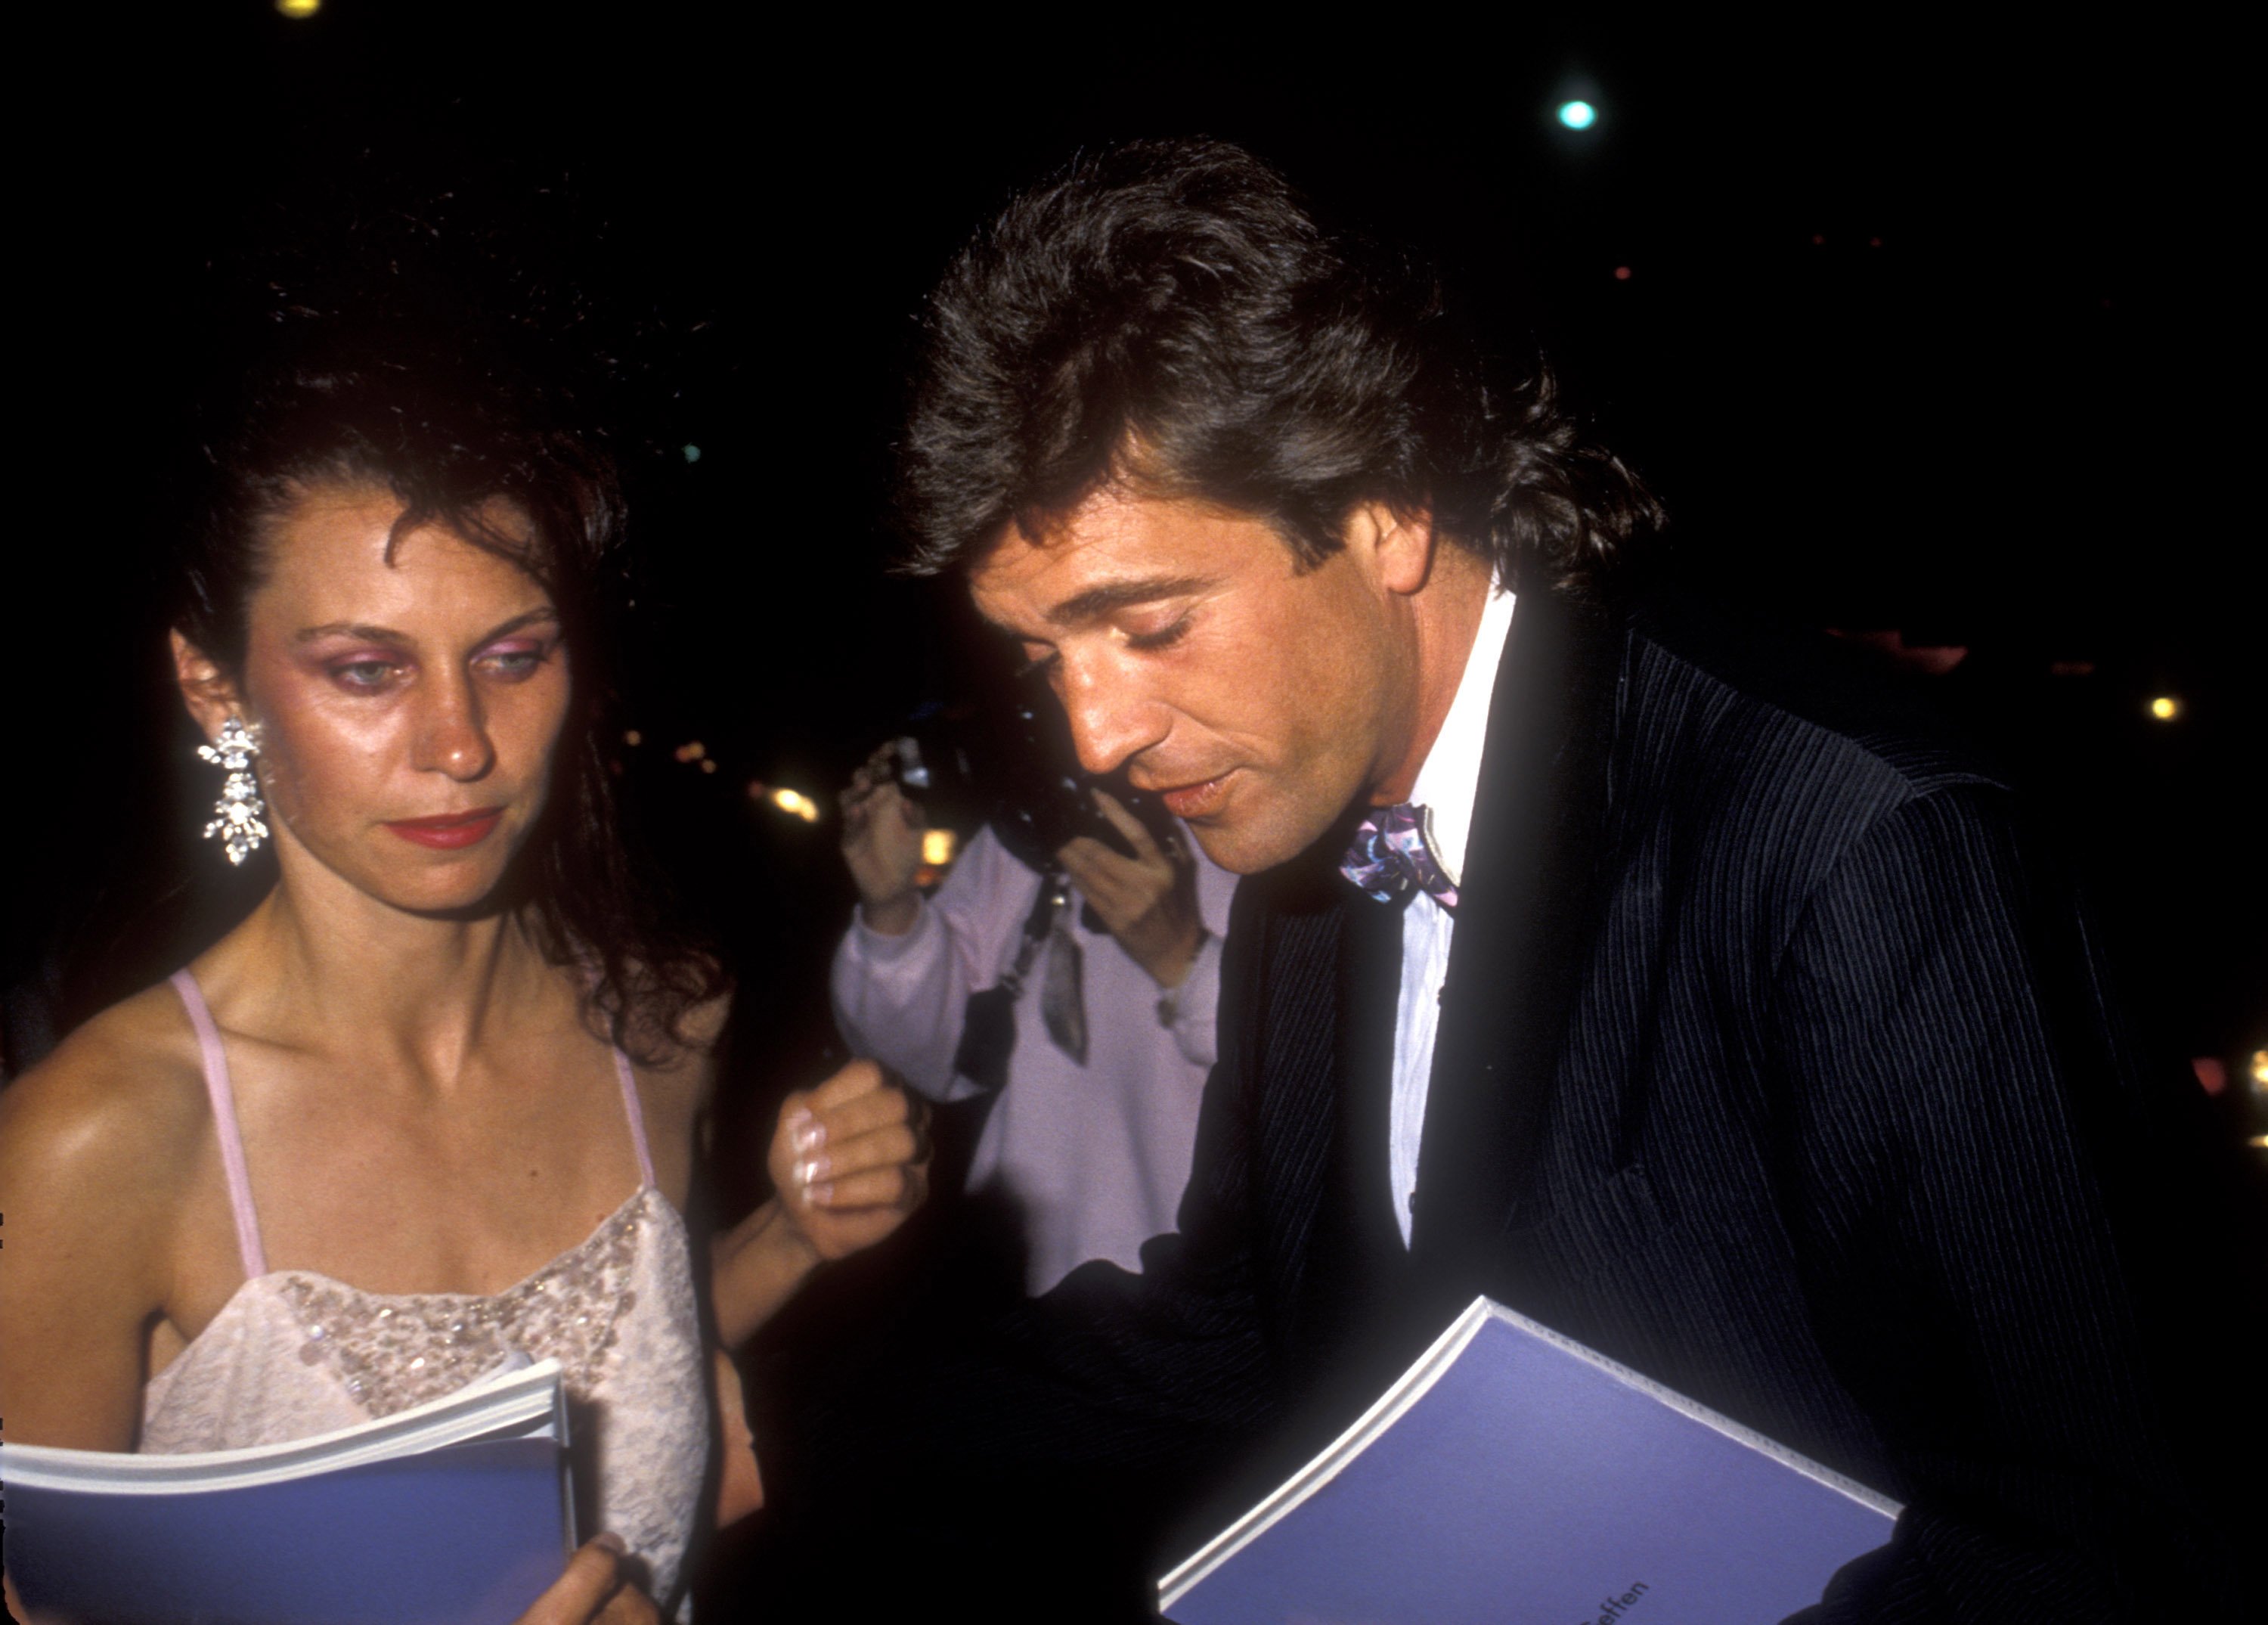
294	1353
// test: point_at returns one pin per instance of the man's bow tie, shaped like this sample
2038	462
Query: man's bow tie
1389	855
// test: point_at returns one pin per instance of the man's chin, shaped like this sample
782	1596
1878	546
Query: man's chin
1250	845
1227	850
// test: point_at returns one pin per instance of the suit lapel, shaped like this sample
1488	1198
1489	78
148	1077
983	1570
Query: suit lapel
1369	978
1320	1020
1522	921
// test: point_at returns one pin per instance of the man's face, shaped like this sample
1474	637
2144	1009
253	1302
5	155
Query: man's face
1256	699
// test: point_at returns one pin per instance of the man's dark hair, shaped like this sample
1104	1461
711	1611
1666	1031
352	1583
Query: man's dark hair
1166	315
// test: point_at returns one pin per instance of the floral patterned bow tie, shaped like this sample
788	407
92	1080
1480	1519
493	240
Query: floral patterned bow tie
1389	856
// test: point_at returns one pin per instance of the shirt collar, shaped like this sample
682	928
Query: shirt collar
1451	776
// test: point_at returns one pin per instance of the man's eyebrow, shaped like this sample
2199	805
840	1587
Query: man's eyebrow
386	634
1097	601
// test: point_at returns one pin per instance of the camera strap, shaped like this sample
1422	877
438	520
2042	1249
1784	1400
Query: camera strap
988	1033
1039	926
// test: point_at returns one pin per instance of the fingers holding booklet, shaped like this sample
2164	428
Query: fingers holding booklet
596	1590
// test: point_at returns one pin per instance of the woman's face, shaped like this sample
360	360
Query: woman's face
407	707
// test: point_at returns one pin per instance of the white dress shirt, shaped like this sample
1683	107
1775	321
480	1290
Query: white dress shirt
1446	786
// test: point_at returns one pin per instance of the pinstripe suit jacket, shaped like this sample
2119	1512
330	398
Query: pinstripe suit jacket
1768	1065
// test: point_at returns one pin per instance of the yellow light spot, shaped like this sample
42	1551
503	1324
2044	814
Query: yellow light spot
2258	1142
937	847
634	738
2165	707
707	767
797	803
693	750
298	8
2260	1068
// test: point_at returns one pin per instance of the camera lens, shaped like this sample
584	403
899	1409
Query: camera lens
906	761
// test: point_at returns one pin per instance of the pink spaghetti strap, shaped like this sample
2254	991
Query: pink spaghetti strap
636	1115
223	1110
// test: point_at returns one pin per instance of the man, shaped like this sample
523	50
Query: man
1663	984
1093	1111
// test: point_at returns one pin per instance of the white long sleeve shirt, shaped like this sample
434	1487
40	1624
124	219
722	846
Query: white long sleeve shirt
1096	1157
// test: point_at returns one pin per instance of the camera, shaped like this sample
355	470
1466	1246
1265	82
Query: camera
1013	767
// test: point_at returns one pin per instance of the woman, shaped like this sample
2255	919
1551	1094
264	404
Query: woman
440	1096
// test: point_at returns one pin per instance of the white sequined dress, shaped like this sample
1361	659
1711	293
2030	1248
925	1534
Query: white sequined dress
294	1353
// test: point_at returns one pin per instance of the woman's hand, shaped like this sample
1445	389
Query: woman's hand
596	1590
21	1614
850	1160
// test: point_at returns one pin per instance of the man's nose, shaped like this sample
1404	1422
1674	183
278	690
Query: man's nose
453	735
1112	718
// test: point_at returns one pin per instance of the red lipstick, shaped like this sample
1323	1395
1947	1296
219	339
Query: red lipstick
448	830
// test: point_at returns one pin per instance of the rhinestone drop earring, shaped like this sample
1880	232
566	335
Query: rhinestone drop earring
236	816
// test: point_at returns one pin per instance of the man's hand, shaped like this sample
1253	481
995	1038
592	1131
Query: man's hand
850	1160
1149	901
594	1591
882	844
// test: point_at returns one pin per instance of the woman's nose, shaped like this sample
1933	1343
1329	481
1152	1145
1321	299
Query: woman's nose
454	735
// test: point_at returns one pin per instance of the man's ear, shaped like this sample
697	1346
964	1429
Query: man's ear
1398	546
210	693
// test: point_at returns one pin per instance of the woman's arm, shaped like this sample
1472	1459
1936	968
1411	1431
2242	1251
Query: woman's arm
97	1147
850	1160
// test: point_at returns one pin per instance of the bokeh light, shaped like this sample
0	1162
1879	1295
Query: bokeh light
1578	114
298	8
2165	707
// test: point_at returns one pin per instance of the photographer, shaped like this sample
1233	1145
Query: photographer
1093	1026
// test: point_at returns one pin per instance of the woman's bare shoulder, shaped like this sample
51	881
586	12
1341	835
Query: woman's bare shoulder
123	1098
99	1151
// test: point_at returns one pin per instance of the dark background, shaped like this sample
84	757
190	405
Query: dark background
1923	329
1926	327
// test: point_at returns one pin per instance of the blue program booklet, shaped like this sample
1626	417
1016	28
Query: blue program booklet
1512	1475
454	1512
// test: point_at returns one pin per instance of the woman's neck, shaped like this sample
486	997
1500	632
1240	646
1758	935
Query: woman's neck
323	964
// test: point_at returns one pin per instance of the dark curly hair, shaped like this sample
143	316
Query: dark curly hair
1169	315
451	423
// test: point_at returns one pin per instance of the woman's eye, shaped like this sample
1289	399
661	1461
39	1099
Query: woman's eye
363	673
514	664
